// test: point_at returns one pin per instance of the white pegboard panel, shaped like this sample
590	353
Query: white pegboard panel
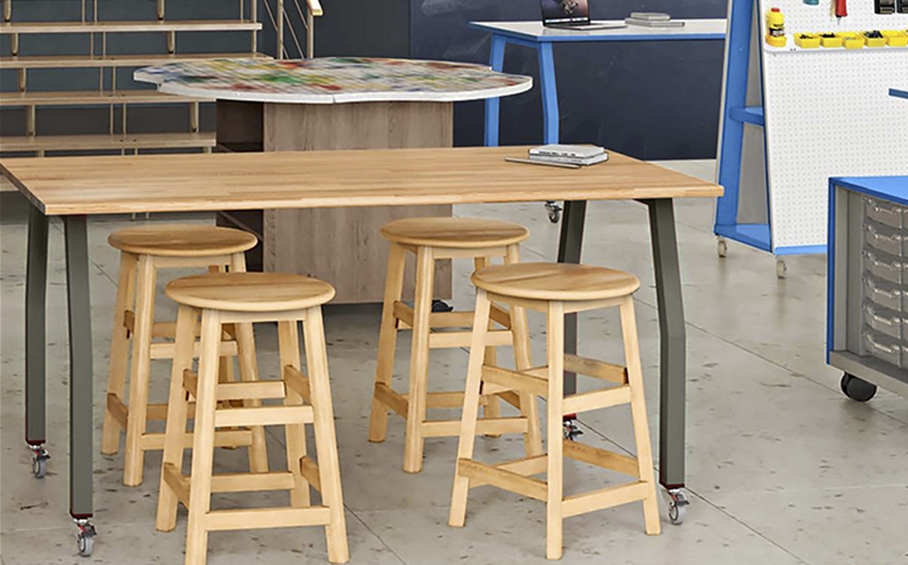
802	18
829	113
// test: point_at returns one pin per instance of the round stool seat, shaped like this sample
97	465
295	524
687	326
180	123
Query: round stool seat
250	292
457	233
182	240
555	281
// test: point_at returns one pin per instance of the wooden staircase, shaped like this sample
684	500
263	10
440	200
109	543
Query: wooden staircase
108	95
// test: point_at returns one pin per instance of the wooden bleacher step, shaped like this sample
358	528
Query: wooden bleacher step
128	26
79	61
67	98
107	141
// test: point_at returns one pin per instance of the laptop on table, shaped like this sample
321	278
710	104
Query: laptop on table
571	14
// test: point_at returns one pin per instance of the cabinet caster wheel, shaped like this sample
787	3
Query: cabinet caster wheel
857	389
677	506
571	429
86	539
554	211
441	306
722	248
781	269
39	461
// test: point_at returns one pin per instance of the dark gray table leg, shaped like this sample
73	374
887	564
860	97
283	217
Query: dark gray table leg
81	446
569	248
673	354
36	339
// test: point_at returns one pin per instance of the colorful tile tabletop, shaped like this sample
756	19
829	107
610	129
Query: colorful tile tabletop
332	80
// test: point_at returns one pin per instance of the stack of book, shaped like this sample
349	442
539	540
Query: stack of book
580	155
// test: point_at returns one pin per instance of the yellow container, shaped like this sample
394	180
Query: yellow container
851	40
775	28
807	40
873	39
895	38
831	40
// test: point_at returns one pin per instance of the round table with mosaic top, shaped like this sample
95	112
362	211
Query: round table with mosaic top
325	104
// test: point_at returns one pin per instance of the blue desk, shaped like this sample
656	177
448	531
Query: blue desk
536	36
899	92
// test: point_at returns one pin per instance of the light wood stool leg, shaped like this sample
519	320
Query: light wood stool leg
119	351
638	411
249	371
203	439
419	360
555	478
387	341
289	345
175	430
325	437
139	372
225	363
467	440
492	403
523	360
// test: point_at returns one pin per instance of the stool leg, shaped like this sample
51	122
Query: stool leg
555	478
638	411
175	430
119	351
203	440
249	371
225	362
493	402
325	437
419	360
523	360
461	489
289	345
139	372
387	341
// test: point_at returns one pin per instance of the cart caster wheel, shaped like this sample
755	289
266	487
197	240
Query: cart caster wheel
781	269
571	429
677	506
857	389
554	211
722	248
441	306
39	461
86	539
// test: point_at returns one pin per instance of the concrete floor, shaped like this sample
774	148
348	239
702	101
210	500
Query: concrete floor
782	467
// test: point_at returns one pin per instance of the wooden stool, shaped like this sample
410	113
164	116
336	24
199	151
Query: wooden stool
431	239
558	289
144	250
244	298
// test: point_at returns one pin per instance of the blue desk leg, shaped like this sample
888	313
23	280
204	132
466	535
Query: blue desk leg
549	92
496	61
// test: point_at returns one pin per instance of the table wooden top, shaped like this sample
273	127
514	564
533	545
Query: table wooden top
329	179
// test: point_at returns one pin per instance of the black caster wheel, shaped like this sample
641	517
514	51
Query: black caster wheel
677	506
721	247
86	539
554	211
571	429
857	389
441	306
39	461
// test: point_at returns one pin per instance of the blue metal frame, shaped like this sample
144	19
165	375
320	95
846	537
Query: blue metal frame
898	93
830	269
735	115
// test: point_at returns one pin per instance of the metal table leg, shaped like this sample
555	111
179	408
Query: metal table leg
672	360
35	340
569	248
81	447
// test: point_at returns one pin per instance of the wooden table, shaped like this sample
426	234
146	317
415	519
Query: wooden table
76	187
333	103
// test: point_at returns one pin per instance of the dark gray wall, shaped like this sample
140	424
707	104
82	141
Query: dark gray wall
377	28
657	100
